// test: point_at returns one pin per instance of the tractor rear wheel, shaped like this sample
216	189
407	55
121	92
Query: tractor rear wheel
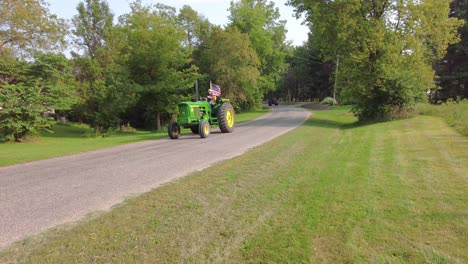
173	130
204	128
195	130
226	118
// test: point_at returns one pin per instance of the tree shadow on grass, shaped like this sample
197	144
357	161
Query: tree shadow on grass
342	125
66	131
77	131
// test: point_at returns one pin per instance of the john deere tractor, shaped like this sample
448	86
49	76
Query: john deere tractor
200	117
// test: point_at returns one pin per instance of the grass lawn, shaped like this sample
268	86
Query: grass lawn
70	138
328	191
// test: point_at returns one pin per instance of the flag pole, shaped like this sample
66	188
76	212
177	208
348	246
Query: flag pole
196	90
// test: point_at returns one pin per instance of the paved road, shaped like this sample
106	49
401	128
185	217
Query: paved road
38	195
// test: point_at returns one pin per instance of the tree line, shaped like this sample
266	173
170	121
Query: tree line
134	69
383	52
381	56
452	70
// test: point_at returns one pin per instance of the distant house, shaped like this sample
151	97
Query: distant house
48	113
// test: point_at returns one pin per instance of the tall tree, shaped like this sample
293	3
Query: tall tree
52	73
44	84
27	26
196	26
104	88
92	26
308	77
386	49
230	61
20	115
157	61
267	33
453	68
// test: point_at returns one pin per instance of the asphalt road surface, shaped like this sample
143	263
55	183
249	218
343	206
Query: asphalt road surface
39	195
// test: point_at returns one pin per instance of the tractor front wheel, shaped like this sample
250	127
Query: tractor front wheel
173	130
204	128
226	118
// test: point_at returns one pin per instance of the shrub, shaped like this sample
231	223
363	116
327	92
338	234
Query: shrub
329	101
21	112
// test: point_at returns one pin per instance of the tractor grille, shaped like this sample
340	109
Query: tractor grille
184	113
196	112
190	114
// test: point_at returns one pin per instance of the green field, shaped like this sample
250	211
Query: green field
327	192
72	138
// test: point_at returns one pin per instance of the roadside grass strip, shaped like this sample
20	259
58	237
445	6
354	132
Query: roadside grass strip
73	138
330	191
66	139
248	116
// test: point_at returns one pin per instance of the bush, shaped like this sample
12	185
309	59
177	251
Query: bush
97	134
455	113
21	112
329	101
384	93
126	129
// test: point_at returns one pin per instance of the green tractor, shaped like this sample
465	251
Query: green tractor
200	117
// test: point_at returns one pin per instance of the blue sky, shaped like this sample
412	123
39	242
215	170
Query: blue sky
215	10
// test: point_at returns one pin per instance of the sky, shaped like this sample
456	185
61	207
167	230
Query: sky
215	10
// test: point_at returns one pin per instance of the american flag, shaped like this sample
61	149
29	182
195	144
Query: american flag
215	89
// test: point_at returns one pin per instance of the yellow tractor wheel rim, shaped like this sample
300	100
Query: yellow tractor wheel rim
207	129
230	118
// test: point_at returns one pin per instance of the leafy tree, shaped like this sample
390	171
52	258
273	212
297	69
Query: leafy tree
104	87
267	34
44	84
307	77
156	61
52	73
10	69
453	68
197	28
386	49
104	101
230	61
27	26
20	112
92	26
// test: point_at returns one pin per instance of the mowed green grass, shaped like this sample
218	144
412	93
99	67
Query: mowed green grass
71	138
327	192
247	116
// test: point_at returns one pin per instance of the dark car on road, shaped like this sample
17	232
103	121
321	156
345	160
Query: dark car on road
273	101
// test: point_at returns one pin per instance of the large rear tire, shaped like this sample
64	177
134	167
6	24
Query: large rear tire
226	118
173	130
204	128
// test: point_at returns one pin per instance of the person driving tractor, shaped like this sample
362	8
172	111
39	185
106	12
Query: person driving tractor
211	98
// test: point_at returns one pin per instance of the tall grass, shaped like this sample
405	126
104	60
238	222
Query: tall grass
454	113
